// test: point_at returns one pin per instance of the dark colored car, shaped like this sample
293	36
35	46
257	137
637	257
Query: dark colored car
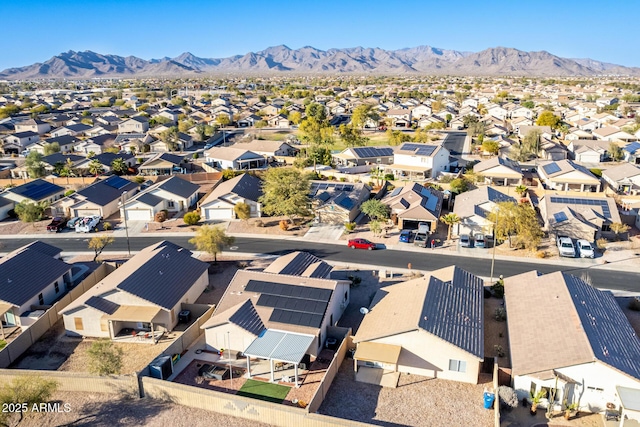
361	244
56	225
406	236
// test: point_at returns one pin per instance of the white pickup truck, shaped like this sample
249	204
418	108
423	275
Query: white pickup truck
565	246
87	224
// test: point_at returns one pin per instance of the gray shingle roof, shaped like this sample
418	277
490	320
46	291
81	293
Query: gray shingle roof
44	248
26	272
453	311
179	187
245	186
164	277
148	199
102	304
248	319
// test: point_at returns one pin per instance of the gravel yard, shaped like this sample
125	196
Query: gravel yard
418	401
94	409
271	226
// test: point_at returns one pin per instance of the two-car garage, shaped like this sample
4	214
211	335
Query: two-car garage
218	212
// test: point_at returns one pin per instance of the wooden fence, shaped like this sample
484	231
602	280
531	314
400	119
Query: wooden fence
30	335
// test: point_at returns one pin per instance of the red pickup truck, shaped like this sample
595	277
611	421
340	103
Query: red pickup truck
56	225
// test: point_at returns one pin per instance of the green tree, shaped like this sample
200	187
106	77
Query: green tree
528	104
521	190
352	136
191	218
530	145
185	125
362	114
29	211
375	209
67	169
375	227
450	220
547	118
397	137
615	152
211	240
105	358
223	120
34	165
98	243
517	223
26	390
51	148
459	185
285	191
295	117
490	146
95	167
242	211
315	128
118	166
421	136
170	138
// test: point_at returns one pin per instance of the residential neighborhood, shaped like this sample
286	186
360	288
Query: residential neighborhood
221	220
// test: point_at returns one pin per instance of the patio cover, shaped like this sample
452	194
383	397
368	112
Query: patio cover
4	307
376	352
278	345
130	313
629	397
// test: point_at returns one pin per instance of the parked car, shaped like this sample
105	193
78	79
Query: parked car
361	244
56	225
465	241
406	236
87	224
423	227
565	246
73	221
421	239
479	241
585	249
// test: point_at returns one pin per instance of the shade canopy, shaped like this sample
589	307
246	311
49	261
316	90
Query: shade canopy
278	345
130	313
377	352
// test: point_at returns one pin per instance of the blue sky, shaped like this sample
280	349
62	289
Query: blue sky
34	31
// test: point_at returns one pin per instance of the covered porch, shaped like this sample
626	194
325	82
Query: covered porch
629	406
247	164
377	363
413	173
135	324
284	351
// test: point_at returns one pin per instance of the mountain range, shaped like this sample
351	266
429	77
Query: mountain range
357	60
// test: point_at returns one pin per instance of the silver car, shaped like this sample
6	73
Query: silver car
585	249
465	241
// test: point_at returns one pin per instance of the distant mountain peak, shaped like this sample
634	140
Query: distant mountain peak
423	59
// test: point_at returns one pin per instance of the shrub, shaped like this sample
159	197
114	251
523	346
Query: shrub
601	243
284	225
343	179
634	304
191	218
500	314
139	179
29	212
259	223
541	254
507	396
105	358
350	226
498	289
195	156
161	216
389	177
228	174
106	226
331	178
69	192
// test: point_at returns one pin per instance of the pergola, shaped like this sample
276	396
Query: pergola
279	345
629	403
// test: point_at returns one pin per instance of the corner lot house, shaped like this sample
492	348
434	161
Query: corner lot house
32	276
220	203
431	326
145	294
173	194
571	337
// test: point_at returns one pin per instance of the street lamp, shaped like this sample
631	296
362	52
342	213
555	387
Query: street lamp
493	255
124	213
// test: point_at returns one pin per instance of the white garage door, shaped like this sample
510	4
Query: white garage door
86	212
218	214
138	215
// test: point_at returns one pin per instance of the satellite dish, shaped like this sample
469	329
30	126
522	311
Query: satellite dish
364	310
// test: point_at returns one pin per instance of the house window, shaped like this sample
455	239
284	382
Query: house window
78	323
595	389
606	227
171	203
532	389
41	299
56	287
457	365
319	339
550	393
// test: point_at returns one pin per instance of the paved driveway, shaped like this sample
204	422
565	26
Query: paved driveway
324	232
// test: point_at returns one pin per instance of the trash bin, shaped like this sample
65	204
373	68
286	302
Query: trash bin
488	400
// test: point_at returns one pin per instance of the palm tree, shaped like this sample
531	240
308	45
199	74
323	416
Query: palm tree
521	190
450	219
118	166
95	167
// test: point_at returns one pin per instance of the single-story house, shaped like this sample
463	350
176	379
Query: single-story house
473	208
431	326
32	276
173	194
623	179
499	171
589	151
570	338
72	130
106	159
360	156
163	164
300	263
95	144
337	202
234	158
268	148
413	204
586	218
220	202
34	191
565	175
101	198
145	294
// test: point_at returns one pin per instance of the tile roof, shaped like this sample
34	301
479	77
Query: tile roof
586	323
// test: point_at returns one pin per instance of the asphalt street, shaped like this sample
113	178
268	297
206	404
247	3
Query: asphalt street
426	261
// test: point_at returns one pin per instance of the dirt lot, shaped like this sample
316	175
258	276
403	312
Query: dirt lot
89	409
418	401
271	226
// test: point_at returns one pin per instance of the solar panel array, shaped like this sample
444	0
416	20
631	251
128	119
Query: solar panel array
294	305
373	151
335	186
633	147
116	182
604	204
551	168
420	149
560	216
396	191
37	189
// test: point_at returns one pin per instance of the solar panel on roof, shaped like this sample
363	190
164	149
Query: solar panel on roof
426	151
323	186
346	203
604	204
296	318
348	188
396	191
551	168
324	196
560	216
